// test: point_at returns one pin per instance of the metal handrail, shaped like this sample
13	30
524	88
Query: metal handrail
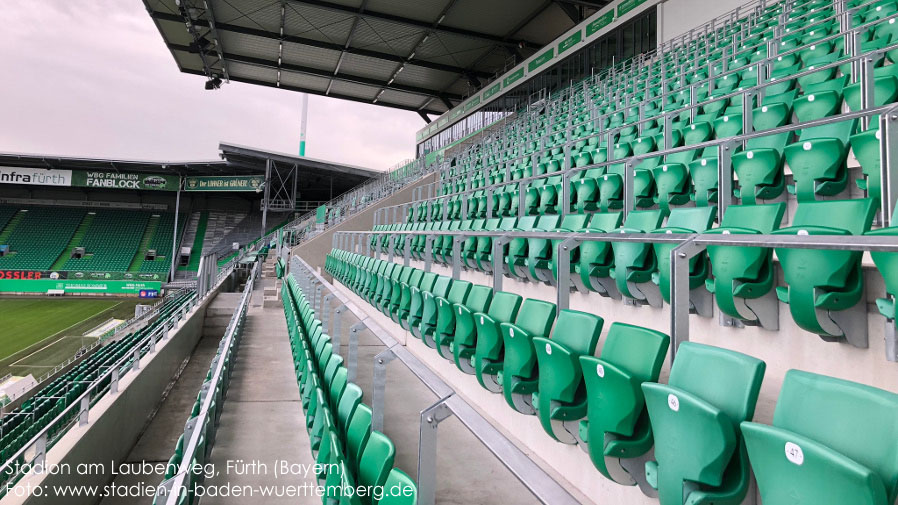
174	487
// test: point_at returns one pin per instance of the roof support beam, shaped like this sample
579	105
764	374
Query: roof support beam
424	117
162	16
319	93
323	4
573	11
261	62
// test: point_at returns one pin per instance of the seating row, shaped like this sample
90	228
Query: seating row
356	462
824	446
739	277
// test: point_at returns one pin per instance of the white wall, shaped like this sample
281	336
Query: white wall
676	17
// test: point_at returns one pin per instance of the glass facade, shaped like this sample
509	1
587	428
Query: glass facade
636	36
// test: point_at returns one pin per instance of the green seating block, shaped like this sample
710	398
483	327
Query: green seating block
460	346
596	259
688	221
634	262
445	319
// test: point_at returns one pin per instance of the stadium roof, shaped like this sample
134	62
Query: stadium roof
417	55
236	160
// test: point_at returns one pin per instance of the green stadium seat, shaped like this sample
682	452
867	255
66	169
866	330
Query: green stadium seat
822	283
887	264
519	376
560	400
596	259
634	262
490	350
700	456
429	300
688	221
825	445
459	346
399	489
743	275
445	318
618	425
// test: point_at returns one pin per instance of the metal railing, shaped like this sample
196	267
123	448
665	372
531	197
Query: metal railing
177	487
544	488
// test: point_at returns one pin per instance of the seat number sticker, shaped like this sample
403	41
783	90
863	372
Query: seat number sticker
794	453
600	370
673	402
548	349
511	332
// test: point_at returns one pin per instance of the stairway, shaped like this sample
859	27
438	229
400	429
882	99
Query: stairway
11	225
74	242
148	234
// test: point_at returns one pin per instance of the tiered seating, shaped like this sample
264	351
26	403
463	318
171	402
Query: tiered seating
161	242
19	426
40	237
110	242
350	454
613	404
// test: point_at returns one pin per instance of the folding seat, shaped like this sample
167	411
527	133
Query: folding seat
822	284
381	281
459	346
418	296
688	221
519	376
596	259
744	276
617	427
376	462
541	259
817	160
586	190
549	196
445	314
489	352
515	256
887	263
759	168
393	294
700	456
560	400
866	145
634	262
399	489
611	188
833	432
399	314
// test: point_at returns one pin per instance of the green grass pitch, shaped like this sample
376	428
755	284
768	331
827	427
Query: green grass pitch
37	334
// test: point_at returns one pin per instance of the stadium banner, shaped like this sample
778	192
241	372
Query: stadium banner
78	286
226	183
36	275
88	179
124	180
35	176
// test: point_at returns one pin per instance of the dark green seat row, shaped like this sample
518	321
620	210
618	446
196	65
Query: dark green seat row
351	455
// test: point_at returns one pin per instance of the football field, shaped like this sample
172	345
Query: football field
36	334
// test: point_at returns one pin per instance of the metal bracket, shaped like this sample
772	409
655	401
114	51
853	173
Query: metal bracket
497	263
679	292
351	355
563	260
336	329
431	417
380	385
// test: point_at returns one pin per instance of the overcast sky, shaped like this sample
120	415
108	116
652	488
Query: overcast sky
93	78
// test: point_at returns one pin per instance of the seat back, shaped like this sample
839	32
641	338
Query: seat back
578	331
688	219
479	298
428	281
377	460
644	220
399	489
638	350
458	293
504	306
853	216
850	418
762	218
441	286
604	222
574	222
726	379
357	432
536	317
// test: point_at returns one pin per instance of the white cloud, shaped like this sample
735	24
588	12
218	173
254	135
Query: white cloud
95	79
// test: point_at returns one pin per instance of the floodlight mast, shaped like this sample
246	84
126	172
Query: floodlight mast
303	123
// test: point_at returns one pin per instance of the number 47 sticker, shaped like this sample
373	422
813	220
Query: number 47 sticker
794	453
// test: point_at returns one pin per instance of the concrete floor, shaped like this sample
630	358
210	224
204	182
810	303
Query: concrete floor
262	420
467	472
157	443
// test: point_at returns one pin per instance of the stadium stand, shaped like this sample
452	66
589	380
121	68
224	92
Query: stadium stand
110	242
38	235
